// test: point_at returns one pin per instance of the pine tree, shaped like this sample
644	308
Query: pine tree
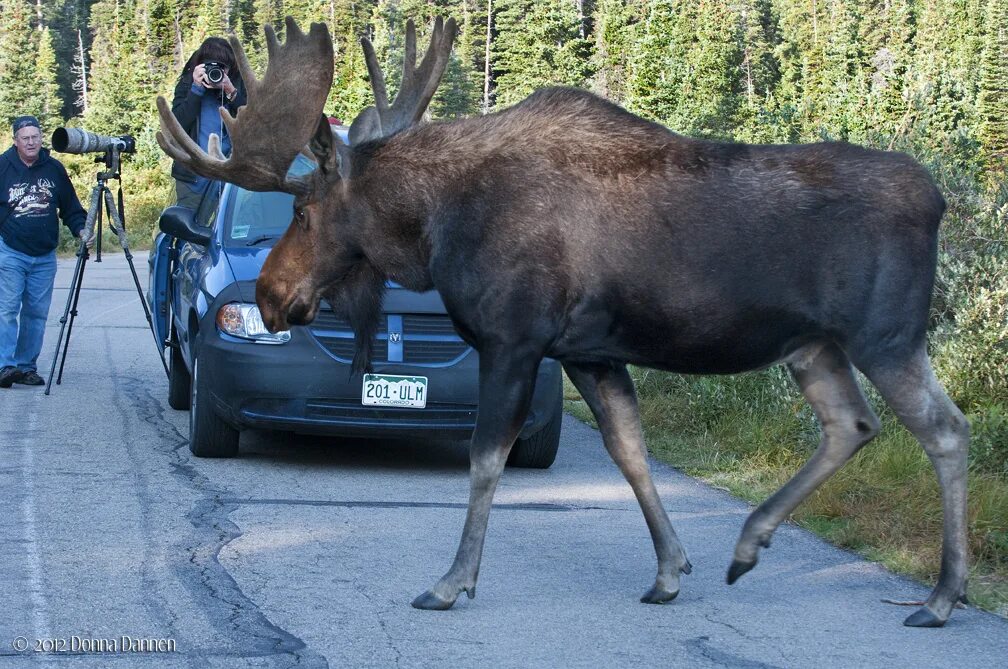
687	73
993	97
17	54
460	91
761	118
538	44
209	23
48	105
121	98
615	25
655	82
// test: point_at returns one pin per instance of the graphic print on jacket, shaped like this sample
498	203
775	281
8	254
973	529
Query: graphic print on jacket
31	200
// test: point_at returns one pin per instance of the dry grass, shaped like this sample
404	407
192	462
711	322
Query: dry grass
750	434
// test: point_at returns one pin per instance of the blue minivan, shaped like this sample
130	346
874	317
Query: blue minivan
232	374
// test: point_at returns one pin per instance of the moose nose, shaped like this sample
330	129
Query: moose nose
269	308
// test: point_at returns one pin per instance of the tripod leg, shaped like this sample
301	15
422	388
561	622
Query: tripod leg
75	284
73	315
116	223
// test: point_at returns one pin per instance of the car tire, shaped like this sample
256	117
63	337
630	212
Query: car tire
179	380
210	436
539	449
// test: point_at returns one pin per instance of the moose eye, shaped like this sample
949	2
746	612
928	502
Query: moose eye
299	216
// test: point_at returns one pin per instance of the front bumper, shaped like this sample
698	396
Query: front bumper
300	387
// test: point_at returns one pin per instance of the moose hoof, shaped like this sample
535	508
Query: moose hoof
431	602
923	617
737	568
658	595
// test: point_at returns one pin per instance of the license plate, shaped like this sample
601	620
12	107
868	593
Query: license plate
386	390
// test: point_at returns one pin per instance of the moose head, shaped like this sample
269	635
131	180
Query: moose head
323	252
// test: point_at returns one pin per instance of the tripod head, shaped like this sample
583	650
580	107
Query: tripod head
112	159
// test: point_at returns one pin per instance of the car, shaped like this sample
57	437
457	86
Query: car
232	374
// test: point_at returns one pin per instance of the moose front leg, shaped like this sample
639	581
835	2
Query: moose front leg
610	395
506	384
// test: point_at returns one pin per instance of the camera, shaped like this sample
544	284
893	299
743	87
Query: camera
78	140
214	72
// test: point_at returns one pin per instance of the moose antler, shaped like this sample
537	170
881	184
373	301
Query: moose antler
281	114
417	87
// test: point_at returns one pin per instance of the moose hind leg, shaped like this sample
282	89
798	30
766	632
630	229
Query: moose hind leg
610	395
505	389
916	396
847	423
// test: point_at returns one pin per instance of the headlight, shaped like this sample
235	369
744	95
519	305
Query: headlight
245	321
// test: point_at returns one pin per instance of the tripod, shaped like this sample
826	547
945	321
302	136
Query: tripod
100	194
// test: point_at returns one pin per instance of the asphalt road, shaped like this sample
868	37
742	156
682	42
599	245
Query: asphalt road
307	552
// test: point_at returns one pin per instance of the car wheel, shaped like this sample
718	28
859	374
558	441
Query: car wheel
209	435
539	449
179	380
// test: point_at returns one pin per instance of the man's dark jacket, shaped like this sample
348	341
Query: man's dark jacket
29	200
186	107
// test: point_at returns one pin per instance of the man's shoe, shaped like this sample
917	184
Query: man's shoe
30	378
8	375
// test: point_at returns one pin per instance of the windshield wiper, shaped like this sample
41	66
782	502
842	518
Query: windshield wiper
260	240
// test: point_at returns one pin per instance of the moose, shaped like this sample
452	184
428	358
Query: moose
567	227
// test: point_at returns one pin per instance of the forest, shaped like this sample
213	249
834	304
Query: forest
927	77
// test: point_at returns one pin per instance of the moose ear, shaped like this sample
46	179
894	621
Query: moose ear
365	127
331	154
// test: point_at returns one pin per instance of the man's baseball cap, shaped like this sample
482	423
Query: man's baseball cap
24	122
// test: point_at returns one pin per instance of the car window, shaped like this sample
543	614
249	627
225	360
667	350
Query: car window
261	217
207	211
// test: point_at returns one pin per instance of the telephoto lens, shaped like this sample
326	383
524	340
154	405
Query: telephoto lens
78	140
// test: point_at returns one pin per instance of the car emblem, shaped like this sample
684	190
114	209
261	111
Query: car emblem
395	337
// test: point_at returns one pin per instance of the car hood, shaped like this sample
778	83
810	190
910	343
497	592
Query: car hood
246	262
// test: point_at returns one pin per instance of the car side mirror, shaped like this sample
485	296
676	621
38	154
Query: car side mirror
180	222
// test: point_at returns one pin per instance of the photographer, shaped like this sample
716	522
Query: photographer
35	192
208	81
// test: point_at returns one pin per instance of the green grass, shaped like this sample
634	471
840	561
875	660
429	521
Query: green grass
749	434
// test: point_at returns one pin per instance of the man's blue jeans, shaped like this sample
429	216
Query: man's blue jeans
26	285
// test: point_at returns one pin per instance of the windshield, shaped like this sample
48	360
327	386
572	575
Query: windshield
260	218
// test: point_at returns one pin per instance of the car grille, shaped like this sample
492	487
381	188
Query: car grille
435	415
427	339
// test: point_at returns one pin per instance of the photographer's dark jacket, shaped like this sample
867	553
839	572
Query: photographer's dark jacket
187	104
33	199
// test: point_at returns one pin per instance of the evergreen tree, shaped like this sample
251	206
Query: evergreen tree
164	60
18	52
461	91
840	86
655	81
760	118
48	106
687	73
121	99
993	97
538	44
209	23
64	19
615	25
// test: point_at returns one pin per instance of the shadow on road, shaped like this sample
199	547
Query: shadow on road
407	455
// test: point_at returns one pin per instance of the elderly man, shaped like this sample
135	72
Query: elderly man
35	192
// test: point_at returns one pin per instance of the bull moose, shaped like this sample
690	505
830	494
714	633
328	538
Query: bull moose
568	227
